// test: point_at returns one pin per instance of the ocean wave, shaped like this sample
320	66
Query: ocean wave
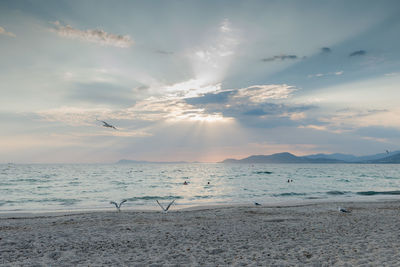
200	197
391	177
335	192
373	193
30	180
5	183
154	198
130	171
61	201
288	194
262	172
118	182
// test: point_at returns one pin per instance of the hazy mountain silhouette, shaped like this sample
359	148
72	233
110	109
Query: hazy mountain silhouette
285	157
352	158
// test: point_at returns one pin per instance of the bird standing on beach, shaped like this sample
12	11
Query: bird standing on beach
343	210
167	208
105	124
118	206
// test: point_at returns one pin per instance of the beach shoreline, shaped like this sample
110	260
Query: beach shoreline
244	235
177	206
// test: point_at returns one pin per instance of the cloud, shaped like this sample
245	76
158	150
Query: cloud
74	116
102	93
392	74
358	53
163	52
172	109
316	75
255	112
93	36
211	103
252	94
350	120
379	132
207	103
262	93
4	32
280	57
314	127
88	117
221	97
212	59
326	50
265	115
225	26
253	106
337	73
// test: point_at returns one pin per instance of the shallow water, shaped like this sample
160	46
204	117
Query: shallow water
40	187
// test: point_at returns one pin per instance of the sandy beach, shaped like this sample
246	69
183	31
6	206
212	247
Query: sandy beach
302	235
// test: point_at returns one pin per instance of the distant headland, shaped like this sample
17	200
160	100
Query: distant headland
286	157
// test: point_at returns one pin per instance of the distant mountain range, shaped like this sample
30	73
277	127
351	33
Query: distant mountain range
285	157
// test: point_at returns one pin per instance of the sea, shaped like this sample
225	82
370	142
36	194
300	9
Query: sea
77	187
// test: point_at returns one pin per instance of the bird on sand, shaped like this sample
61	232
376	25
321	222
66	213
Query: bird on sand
105	124
118	206
167	208
343	210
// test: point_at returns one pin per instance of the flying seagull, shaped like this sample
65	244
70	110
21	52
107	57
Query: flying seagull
118	206
343	210
105	124
167	208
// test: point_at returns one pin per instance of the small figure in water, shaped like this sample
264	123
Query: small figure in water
288	180
185	183
291	180
208	182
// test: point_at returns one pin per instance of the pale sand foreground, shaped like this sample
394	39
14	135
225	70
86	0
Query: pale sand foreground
308	235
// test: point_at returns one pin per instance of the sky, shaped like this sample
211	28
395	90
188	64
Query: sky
197	80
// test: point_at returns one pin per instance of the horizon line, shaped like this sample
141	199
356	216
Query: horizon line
195	161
